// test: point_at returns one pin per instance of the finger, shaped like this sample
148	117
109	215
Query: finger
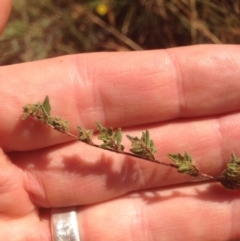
77	174
5	9
12	191
135	88
16	208
199	213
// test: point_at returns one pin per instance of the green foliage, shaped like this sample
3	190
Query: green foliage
38	110
110	138
46	106
231	175
143	146
58	123
85	135
42	113
185	164
31	110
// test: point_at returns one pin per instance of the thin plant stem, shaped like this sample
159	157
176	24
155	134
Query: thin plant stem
142	148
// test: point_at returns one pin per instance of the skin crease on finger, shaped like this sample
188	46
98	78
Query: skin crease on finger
5	9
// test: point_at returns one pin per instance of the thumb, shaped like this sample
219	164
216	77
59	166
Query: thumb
5	8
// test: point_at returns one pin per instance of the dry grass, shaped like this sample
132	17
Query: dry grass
44	29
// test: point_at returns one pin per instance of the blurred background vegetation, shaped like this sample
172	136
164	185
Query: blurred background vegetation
44	29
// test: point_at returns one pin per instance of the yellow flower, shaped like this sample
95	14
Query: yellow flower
101	9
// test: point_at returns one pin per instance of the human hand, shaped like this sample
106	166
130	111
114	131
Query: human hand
187	98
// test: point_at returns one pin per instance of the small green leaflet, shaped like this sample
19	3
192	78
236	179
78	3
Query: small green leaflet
110	138
231	175
143	146
85	135
184	163
46	106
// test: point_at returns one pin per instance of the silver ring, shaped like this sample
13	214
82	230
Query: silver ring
64	224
